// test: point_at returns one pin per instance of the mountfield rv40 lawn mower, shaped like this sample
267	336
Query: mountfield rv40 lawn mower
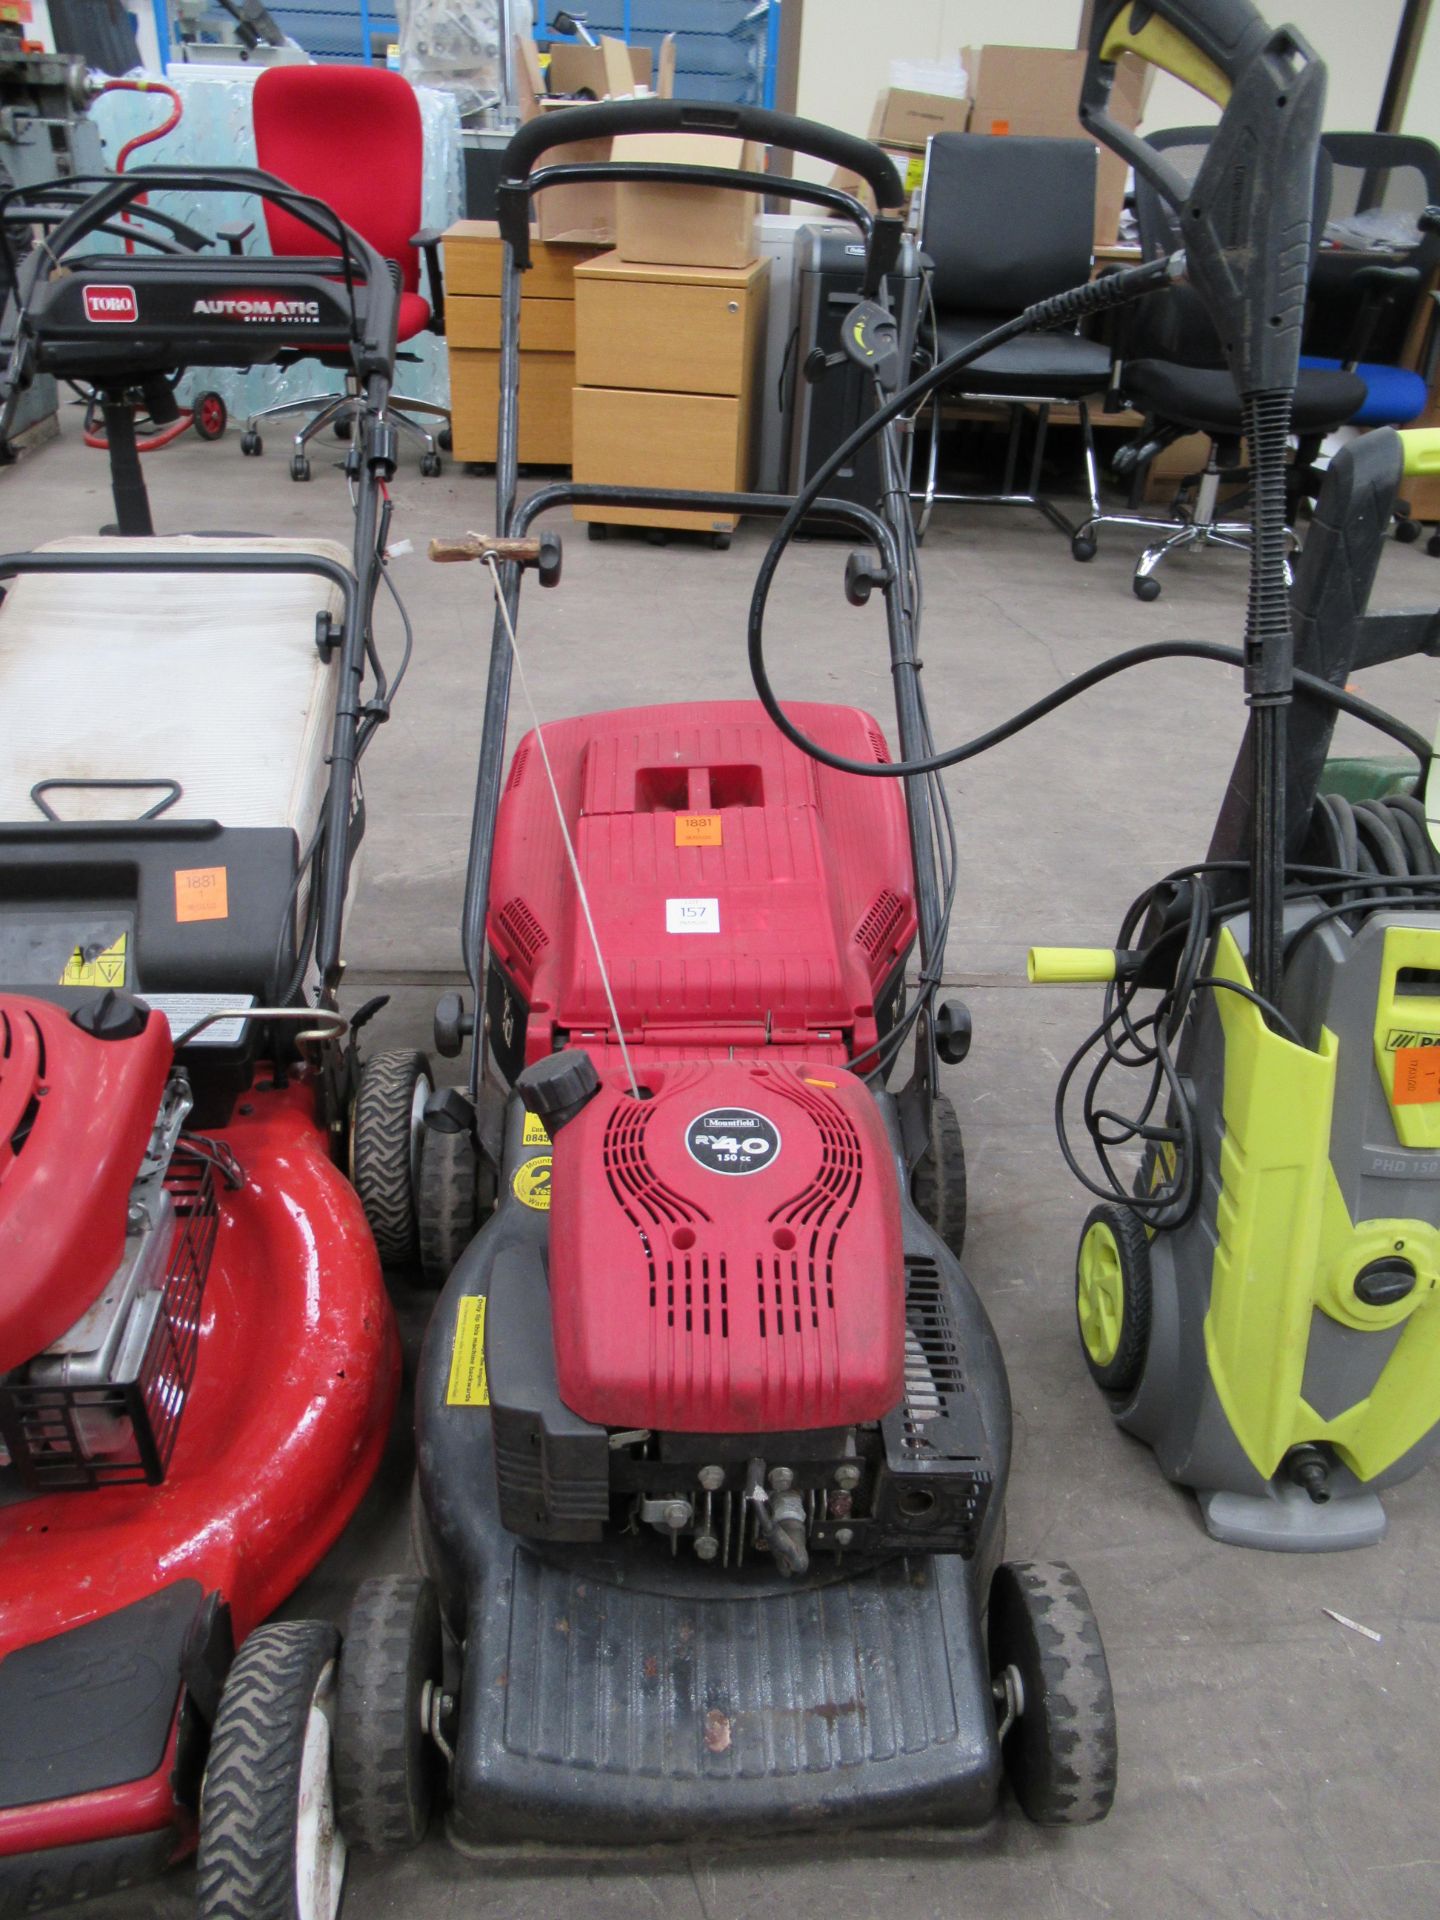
713	1430
198	1362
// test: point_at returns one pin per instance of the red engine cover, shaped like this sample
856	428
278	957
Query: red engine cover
726	1257
744	894
76	1115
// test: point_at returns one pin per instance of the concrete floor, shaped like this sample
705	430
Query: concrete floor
1272	1762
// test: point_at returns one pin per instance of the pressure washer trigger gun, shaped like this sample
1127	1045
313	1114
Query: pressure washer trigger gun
1245	218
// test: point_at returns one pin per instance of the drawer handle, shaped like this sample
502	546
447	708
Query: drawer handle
732	306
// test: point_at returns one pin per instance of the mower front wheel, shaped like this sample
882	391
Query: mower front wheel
1053	1684
270	1848
391	1676
386	1131
938	1186
448	1201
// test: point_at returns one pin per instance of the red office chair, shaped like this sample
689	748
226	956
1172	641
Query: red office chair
352	137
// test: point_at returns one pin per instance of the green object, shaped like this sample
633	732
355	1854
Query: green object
1286	1245
1356	778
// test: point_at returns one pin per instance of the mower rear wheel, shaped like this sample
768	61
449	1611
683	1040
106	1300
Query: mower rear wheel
448	1201
1112	1296
386	1764
1060	1749
386	1131
270	1848
938	1184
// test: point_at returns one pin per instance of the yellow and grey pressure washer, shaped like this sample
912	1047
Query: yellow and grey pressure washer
1262	1305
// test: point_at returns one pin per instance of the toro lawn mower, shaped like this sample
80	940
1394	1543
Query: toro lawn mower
713	1430
198	1362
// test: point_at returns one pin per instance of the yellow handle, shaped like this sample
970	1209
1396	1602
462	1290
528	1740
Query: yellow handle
1070	966
1422	450
1166	47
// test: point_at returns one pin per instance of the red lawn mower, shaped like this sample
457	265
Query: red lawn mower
198	1360
713	1430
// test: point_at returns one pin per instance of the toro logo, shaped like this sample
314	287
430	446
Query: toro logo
733	1140
111	306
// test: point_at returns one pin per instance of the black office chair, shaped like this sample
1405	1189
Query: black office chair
1171	369
1381	251
1007	221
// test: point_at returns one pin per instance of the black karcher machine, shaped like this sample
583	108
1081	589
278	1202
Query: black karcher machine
1259	1300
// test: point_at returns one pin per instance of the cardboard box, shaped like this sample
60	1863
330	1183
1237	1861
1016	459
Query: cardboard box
905	119
581	70
1035	91
687	226
584	215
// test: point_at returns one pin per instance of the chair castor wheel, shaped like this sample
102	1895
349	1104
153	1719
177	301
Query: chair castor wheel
597	530
1407	532
299	467
658	536
431	466
1145	586
445	440
1432	546
209	416
720	542
343	429
1082	547
251	443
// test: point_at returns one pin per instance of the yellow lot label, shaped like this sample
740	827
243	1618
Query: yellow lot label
469	1384
535	1134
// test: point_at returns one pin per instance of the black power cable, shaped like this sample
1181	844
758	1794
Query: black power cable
1164	1126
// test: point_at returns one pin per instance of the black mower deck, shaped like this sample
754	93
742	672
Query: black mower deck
614	1695
596	1713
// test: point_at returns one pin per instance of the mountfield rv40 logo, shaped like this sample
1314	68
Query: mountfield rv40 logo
258	309
111	306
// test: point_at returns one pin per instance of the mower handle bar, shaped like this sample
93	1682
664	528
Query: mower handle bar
114	192
607	118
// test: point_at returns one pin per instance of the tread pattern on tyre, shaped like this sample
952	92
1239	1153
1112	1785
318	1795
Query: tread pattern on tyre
380	1152
251	1794
1062	1751
448	1213
1121	1374
938	1184
381	1803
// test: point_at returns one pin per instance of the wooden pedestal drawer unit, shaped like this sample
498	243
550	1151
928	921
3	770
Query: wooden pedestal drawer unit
667	363
473	259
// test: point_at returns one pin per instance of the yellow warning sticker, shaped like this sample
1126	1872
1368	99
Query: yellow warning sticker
535	1134
531	1185
469	1383
699	829
105	969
